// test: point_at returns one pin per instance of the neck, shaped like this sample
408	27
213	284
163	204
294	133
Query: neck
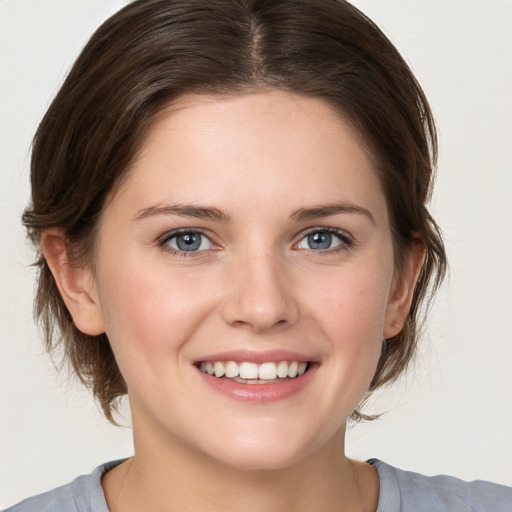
169	476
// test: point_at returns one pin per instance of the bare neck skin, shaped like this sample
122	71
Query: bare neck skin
167	477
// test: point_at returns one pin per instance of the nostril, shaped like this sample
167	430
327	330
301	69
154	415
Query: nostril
259	323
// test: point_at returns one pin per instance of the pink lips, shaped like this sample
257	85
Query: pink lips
256	357
258	393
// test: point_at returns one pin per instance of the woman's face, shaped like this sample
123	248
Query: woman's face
251	236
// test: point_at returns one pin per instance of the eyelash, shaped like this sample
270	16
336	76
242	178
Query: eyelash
164	241
345	241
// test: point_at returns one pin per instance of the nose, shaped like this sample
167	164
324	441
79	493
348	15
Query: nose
259	294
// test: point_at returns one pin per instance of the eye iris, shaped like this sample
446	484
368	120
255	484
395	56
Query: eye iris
320	240
188	241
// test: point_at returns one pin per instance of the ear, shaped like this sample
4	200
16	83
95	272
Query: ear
75	283
402	289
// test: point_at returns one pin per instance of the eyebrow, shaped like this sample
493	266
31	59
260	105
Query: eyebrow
211	213
183	210
331	209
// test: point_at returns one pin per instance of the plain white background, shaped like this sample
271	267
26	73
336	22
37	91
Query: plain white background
453	412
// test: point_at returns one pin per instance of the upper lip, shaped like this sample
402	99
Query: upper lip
258	357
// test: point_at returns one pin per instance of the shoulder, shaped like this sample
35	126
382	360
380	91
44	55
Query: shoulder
84	494
406	491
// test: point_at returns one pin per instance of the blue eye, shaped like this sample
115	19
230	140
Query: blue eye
188	241
322	240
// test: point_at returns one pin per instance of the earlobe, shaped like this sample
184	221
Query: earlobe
75	283
402	290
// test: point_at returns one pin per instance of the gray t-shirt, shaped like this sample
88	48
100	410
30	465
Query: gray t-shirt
400	491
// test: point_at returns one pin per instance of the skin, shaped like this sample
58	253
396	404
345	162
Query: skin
256	284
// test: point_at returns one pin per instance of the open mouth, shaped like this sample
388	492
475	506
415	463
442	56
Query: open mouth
253	373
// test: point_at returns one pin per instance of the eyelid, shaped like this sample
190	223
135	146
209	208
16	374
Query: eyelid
346	239
163	240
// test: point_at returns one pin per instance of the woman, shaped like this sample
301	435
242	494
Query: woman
230	204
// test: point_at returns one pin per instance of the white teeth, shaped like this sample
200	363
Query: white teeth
268	371
248	371
292	369
282	369
231	369
219	369
252	371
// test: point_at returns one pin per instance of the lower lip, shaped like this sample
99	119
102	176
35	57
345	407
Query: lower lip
259	393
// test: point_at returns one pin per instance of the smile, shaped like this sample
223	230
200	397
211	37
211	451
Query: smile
253	373
257	378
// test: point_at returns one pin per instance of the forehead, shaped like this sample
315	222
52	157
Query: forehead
263	147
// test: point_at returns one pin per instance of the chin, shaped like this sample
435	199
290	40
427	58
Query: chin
261	452
258	460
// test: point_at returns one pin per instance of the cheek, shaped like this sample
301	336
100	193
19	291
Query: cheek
351	312
354	328
150	311
353	302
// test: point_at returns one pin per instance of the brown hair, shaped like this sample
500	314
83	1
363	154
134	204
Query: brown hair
153	51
